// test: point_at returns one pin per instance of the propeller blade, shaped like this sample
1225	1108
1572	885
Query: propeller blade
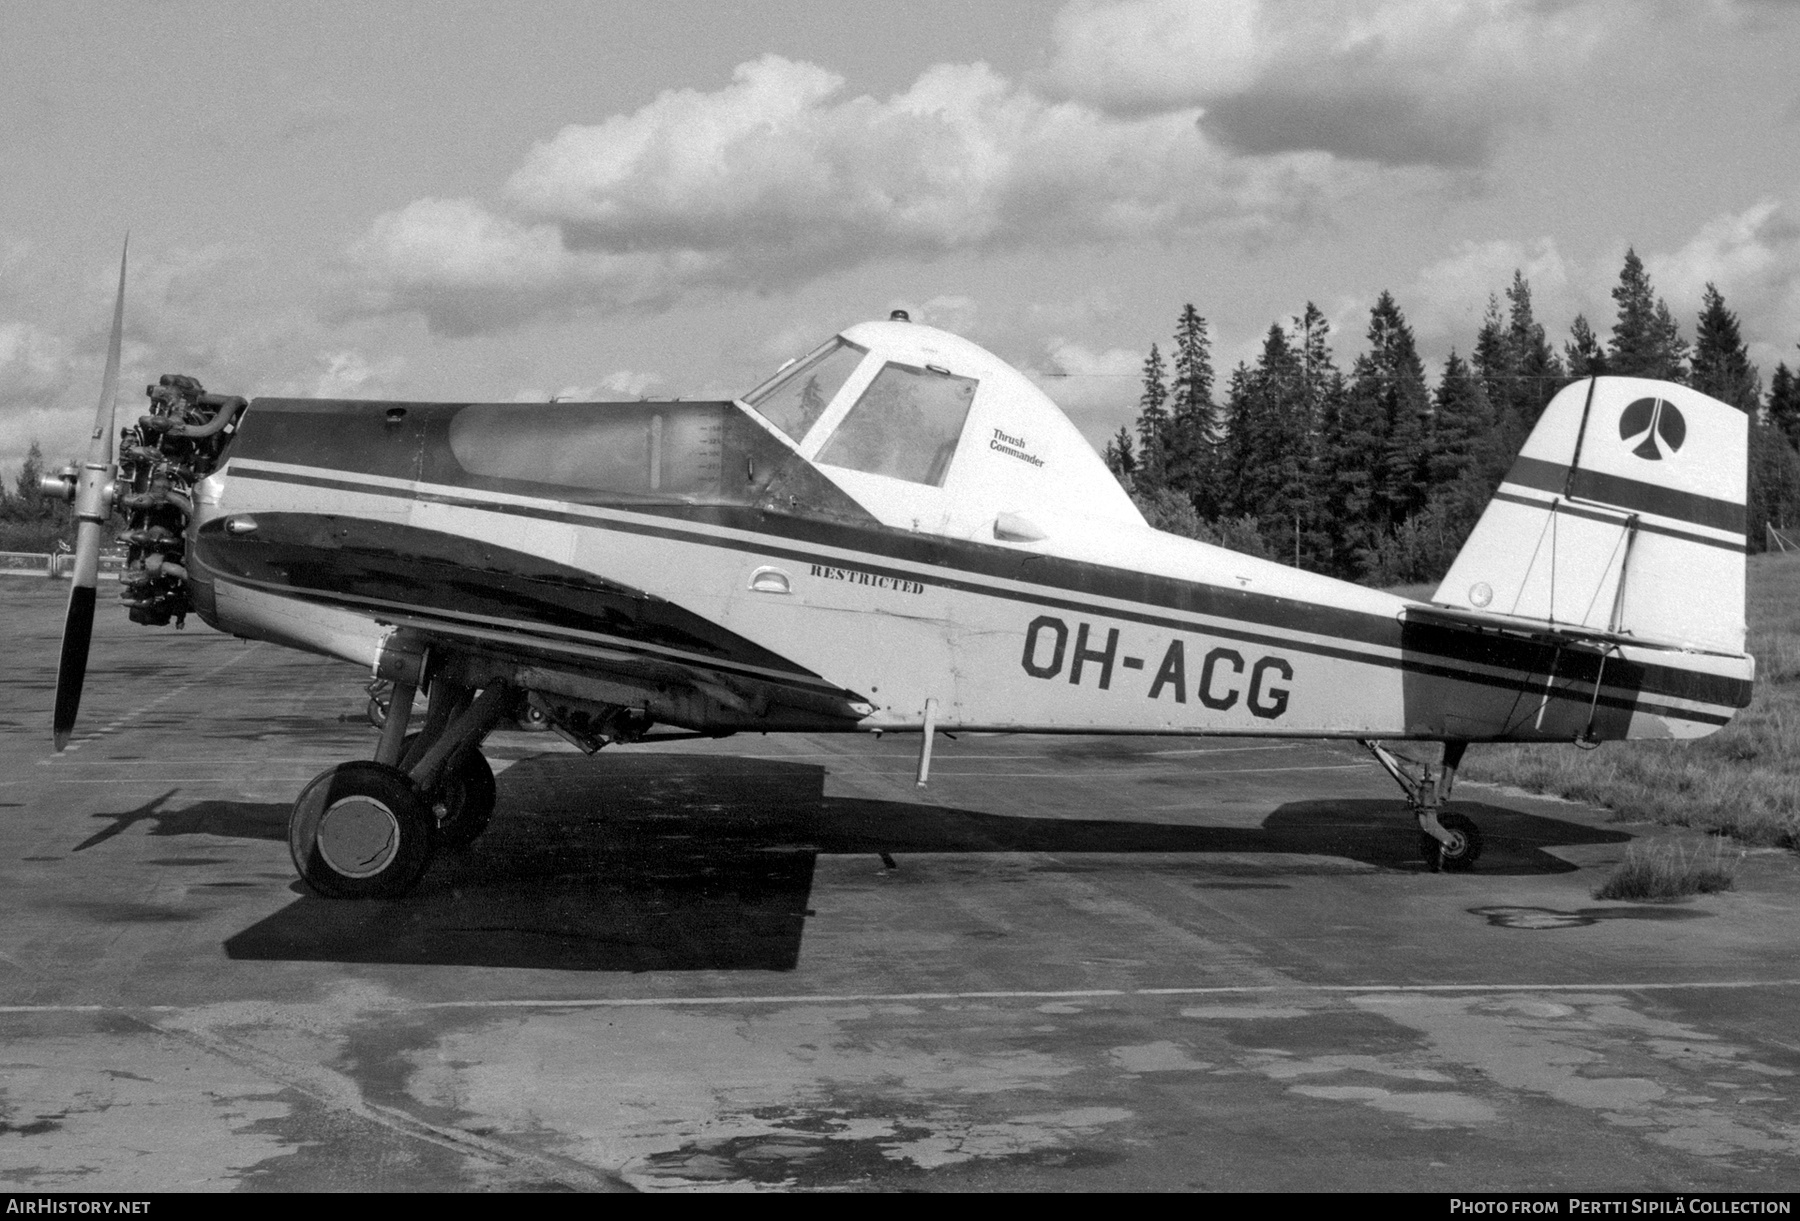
93	502
100	444
78	630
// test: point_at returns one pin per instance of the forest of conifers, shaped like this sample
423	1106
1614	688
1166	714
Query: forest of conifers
1375	474
1378	476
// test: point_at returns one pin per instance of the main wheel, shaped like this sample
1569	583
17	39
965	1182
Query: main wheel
361	831
463	800
1463	850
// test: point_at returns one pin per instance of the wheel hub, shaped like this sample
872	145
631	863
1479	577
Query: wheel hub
358	836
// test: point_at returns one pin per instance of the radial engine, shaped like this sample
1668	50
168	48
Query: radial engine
161	457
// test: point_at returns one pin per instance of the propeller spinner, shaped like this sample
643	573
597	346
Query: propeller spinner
93	503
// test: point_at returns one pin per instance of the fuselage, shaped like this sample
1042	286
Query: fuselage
689	557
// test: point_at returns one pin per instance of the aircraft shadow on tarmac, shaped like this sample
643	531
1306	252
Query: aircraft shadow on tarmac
659	862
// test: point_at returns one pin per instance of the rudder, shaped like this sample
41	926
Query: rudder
1624	513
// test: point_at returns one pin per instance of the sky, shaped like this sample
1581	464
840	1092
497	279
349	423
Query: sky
459	201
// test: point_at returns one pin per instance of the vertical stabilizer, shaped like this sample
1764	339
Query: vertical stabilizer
1623	513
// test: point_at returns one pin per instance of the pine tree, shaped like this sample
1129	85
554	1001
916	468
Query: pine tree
1774	484
1495	362
29	503
1332	551
1352	439
1721	364
1722	369
1780	480
1193	440
1461	419
1467	463
1289	509
1783	407
1312	344
1120	459
1392	374
1586	357
1234	447
1271	432
1537	373
1321	387
1496	367
1646	340
1153	420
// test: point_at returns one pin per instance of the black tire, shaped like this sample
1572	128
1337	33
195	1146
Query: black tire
1458	857
463	801
361	831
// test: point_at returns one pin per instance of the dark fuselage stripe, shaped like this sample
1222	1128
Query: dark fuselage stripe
1633	494
531	630
1710	689
1571	509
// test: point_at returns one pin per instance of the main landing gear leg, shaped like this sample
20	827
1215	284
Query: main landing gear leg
1447	841
368	830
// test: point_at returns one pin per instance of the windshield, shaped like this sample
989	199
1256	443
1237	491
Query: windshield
794	402
905	425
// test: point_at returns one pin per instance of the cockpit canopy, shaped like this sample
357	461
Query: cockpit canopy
928	431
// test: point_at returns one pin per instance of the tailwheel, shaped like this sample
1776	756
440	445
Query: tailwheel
361	831
1450	842
1463	850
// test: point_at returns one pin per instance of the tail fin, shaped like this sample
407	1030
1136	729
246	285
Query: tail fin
1624	513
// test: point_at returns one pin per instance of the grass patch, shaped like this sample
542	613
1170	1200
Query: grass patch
1742	781
1668	871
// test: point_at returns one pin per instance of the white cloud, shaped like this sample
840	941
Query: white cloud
1449	297
1754	258
776	179
957	314
1097	389
1395	81
617	386
35	372
349	375
214	312
1752	255
33	364
1069	359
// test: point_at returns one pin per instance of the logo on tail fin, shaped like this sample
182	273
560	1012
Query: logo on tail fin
1651	419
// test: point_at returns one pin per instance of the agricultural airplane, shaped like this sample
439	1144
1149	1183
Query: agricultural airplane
900	533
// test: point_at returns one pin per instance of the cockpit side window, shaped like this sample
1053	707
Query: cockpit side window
795	402
905	425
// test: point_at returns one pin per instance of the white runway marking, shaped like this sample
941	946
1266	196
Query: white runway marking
654	747
866	998
141	709
1224	750
1084	775
141	764
155	779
